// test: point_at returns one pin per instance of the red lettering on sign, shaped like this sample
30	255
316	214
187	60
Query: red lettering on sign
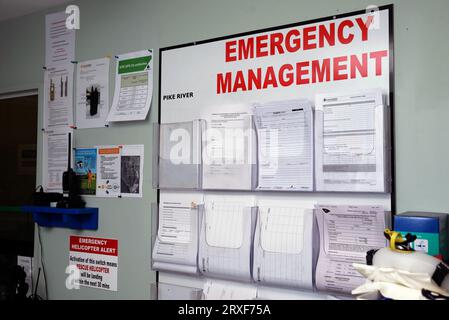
309	35
224	84
261	46
239	83
341	31
94	245
254	81
321	71
292	41
377	56
361	67
230	49
364	26
286	77
326	35
301	72
296	38
276	40
339	67
270	78
246	48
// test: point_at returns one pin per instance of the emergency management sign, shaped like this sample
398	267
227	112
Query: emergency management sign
97	261
335	54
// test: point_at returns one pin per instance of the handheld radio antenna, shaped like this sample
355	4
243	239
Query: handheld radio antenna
69	162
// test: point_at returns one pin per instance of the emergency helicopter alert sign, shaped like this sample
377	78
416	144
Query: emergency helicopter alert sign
97	261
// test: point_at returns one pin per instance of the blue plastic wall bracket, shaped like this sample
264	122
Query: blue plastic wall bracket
86	218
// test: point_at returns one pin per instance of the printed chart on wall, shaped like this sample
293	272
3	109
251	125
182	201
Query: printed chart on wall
92	94
133	87
96	259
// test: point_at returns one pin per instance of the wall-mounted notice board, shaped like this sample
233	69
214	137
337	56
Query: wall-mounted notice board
324	86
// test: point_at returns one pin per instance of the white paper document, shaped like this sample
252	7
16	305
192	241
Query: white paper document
283	247
131	172
133	87
221	290
224	225
58	96
285	145
228	152
174	222
226	239
108	171
59	41
176	245
347	233
350	147
56	146
92	93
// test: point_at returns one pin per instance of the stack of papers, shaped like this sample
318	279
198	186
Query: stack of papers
176	246
347	233
228	152
226	241
283	247
285	145
350	146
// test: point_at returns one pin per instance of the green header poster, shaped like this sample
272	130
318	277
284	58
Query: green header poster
133	87
134	64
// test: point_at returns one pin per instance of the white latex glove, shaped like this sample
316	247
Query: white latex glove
407	279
